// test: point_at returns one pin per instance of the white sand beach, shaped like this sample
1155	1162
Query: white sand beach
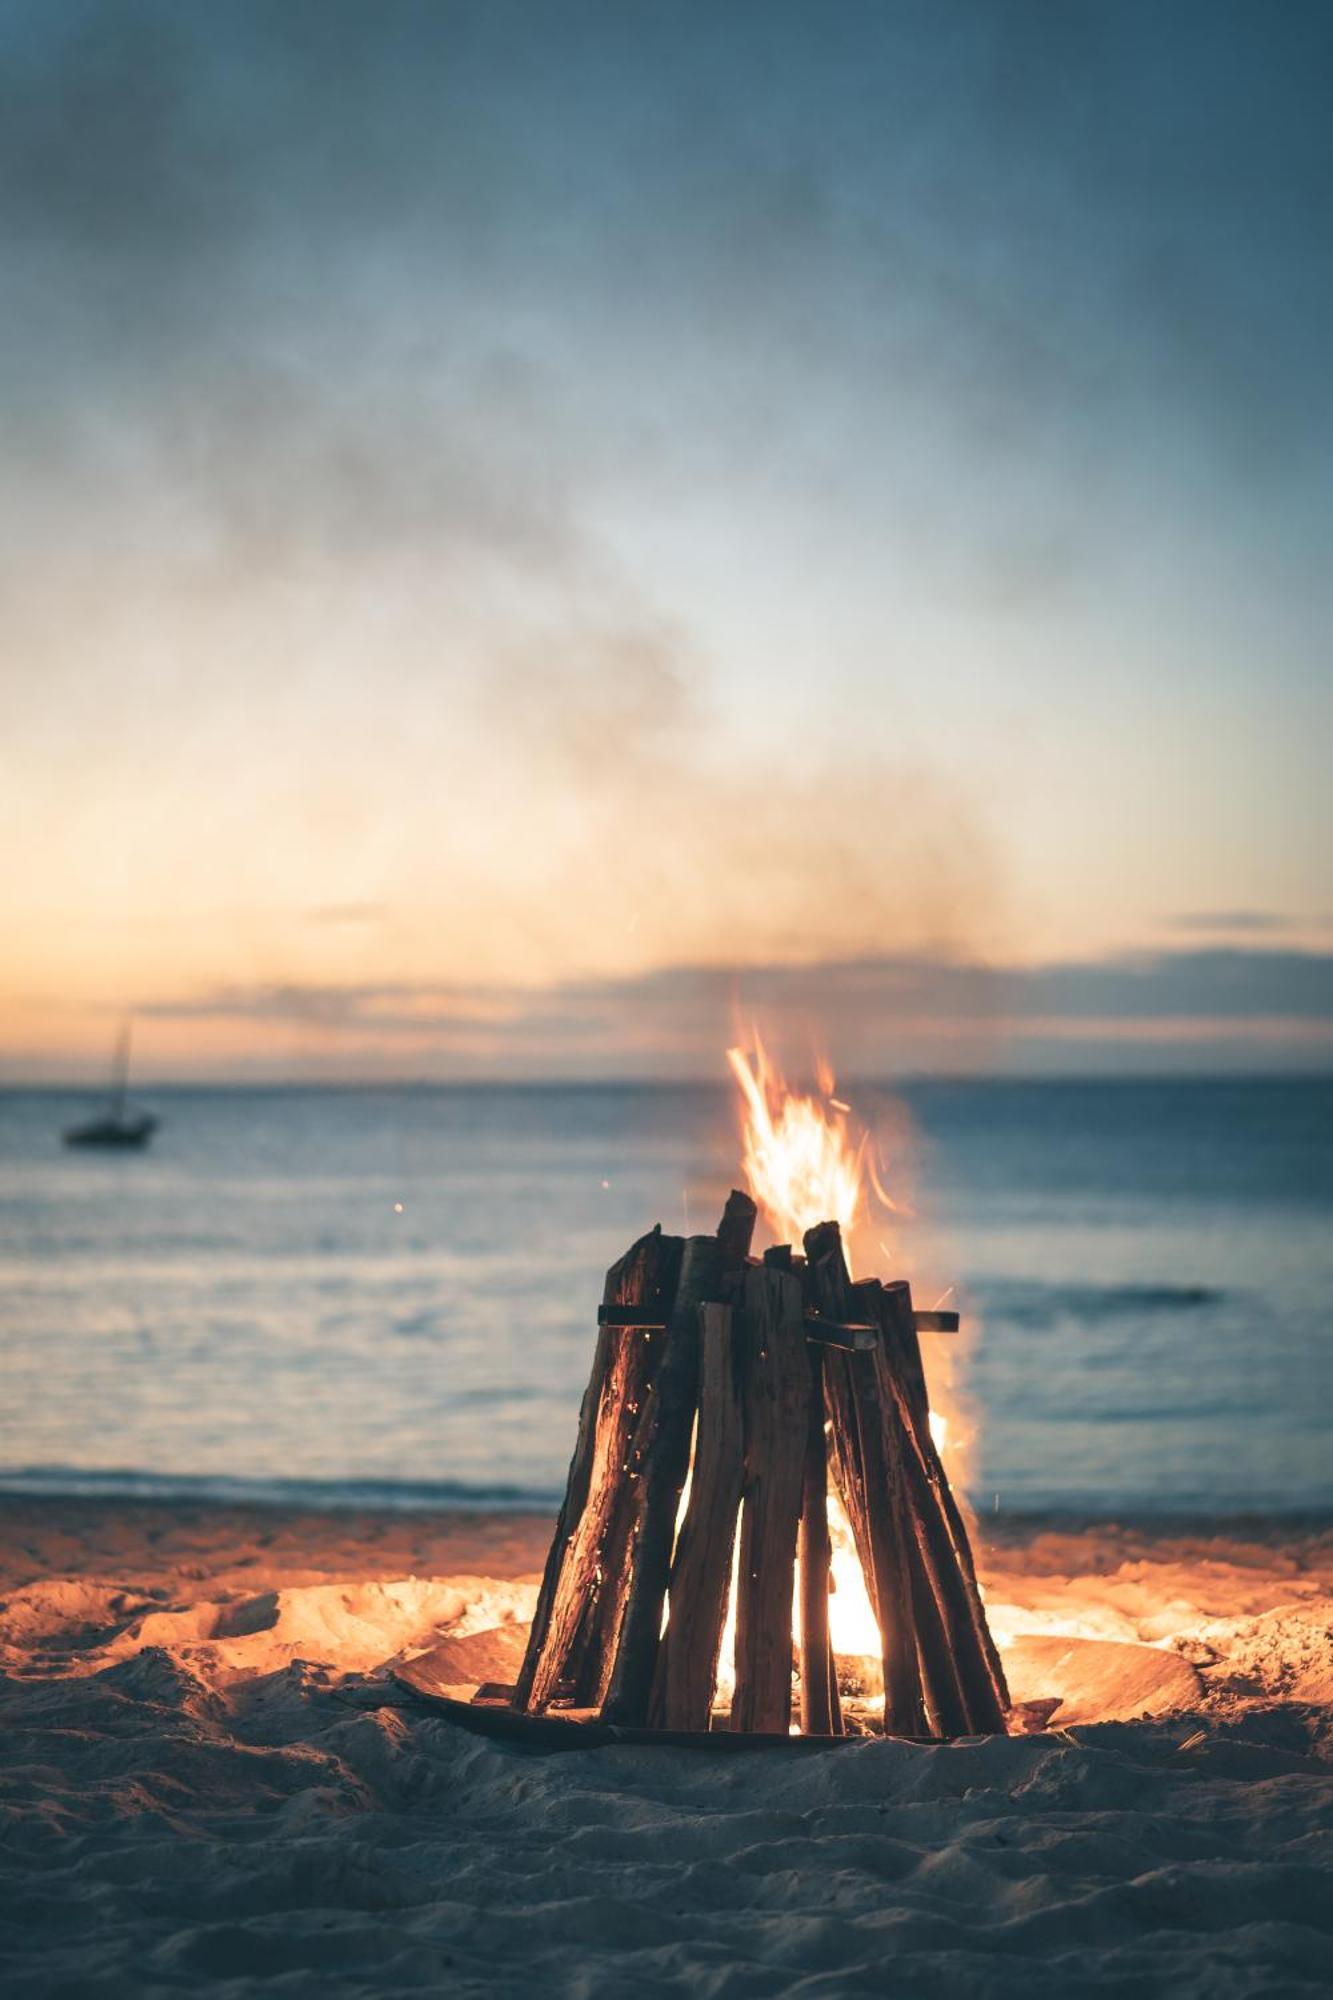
209	1786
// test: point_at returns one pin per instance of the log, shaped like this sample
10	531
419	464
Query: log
686	1676
595	1651
775	1398
869	1475
902	1325
890	1541
736	1229
661	1461
593	1655
944	1541
905	1324
820	1714
896	1324
622	1372
947	1710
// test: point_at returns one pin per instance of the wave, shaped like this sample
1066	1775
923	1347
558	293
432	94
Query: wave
1020	1299
318	1495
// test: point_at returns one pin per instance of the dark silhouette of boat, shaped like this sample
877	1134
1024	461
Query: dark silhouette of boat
120	1126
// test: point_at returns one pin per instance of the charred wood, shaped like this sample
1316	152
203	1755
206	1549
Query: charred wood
819	1687
662	1457
686	1675
624	1365
775	1398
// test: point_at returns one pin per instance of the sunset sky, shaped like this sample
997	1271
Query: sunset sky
527	530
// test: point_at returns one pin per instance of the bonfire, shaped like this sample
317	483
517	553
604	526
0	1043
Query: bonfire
758	1533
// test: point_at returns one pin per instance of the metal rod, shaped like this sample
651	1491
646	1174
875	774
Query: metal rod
629	1316
855	1336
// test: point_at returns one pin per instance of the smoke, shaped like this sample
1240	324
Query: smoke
520	469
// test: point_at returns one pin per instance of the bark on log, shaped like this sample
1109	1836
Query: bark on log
775	1395
897	1322
820	1714
942	1534
869	1468
659	1476
593	1656
907	1325
622	1370
947	1710
890	1540
735	1231
686	1676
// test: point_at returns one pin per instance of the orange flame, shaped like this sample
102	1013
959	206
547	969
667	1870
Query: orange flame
800	1161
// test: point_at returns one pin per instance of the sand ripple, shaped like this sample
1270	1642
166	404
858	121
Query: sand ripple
207	1789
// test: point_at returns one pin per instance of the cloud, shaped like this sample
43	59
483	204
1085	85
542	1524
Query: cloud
563	471
876	1017
1231	920
1218	984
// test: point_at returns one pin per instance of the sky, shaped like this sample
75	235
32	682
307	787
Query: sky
530	534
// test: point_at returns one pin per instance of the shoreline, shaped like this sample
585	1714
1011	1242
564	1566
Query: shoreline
445	1498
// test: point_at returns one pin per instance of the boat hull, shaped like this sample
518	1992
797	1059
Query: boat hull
113	1134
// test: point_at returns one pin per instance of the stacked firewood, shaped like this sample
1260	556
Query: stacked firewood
775	1375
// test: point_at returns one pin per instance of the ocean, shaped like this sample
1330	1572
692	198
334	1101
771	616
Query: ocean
388	1295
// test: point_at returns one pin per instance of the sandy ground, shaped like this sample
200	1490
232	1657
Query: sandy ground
209	1787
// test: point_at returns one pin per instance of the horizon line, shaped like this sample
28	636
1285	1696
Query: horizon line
65	1086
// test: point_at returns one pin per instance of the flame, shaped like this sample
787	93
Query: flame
853	1628
852	1624
800	1161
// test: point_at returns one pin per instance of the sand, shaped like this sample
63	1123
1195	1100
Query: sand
209	1786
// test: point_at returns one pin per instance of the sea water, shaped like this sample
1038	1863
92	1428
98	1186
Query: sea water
390	1294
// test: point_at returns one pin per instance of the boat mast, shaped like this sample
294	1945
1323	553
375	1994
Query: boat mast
120	1068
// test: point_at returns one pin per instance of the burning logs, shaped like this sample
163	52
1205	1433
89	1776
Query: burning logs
754	1381
581	1592
820	1713
775	1393
661	1461
687	1660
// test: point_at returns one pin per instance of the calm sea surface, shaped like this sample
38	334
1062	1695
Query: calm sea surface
392	1294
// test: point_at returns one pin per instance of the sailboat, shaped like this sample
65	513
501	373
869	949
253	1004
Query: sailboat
120	1125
